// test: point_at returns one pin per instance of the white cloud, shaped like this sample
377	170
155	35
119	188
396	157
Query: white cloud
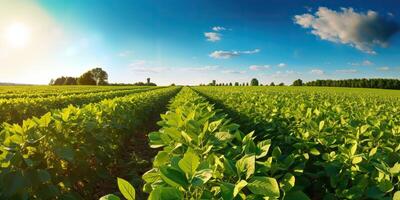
212	36
288	74
259	67
363	63
384	68
317	72
347	71
360	30
230	54
202	69
367	63
233	72
125	53
281	65
139	63
146	66
146	69
218	28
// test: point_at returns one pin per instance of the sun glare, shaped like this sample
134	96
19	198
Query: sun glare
17	35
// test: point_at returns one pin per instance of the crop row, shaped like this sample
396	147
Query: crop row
63	91
63	154
16	110
52	89
205	156
336	146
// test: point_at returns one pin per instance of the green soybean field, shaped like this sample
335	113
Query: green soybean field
198	143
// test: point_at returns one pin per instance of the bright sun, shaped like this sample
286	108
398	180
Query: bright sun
17	35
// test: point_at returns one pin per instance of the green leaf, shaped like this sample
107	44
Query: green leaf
173	177
45	120
161	158
213	126
296	195
356	160
287	182
246	164
165	193
373	151
110	197
353	148
263	148
314	151
66	153
227	191
321	125
385	186
189	162
155	140
276	152
395	169
363	129
201	177
265	186
151	176
396	195
224	136
239	187
126	189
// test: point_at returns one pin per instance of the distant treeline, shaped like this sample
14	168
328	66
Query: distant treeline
358	83
96	76
382	83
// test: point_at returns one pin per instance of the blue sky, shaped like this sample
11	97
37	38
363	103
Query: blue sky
192	42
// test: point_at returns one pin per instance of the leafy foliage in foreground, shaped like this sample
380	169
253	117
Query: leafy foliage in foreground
70	150
337	146
205	156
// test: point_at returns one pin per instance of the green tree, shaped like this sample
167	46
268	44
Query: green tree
87	79
254	82
298	82
70	81
272	84
100	76
60	81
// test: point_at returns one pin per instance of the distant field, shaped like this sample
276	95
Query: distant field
211	142
308	89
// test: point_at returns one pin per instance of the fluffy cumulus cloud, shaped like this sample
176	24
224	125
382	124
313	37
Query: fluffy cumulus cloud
230	54
363	31
317	72
259	67
212	36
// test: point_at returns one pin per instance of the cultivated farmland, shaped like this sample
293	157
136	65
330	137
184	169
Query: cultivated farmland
209	143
